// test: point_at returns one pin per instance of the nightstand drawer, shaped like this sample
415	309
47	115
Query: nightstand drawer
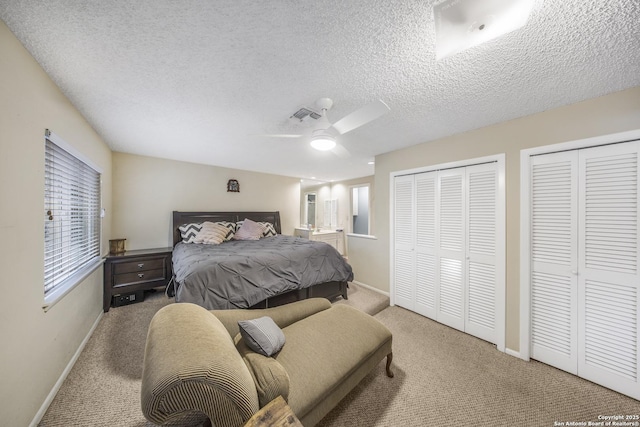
141	265
142	276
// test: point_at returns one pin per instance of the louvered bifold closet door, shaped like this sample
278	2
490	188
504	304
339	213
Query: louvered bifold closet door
451	248
482	201
554	230
426	243
608	265
404	241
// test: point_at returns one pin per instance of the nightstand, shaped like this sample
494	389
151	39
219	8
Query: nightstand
137	270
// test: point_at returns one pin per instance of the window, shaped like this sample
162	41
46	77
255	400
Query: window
310	210
360	210
71	221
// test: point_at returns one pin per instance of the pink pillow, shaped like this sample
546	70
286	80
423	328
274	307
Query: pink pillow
249	230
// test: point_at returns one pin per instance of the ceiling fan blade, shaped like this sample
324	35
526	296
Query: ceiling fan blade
360	117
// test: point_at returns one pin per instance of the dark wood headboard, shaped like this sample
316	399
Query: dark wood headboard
180	218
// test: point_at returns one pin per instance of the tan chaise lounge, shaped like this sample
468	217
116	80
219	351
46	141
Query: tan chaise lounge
197	366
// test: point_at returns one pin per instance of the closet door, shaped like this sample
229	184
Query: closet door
451	248
554	244
426	244
608	265
481	201
404	240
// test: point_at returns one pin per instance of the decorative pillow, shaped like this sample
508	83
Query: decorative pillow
249	230
269	376
211	233
231	229
188	232
262	335
269	229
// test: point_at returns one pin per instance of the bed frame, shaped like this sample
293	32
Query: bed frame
329	290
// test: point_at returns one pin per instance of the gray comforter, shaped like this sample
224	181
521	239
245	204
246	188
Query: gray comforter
239	274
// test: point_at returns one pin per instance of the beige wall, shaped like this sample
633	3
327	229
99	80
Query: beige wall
147	190
36	346
613	113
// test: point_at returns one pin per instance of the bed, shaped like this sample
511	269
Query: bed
261	273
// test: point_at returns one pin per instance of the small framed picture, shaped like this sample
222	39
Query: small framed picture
233	186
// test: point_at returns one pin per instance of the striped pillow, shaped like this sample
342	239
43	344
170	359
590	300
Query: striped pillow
188	232
269	229
211	233
231	229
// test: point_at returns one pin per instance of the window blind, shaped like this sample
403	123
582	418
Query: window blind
72	216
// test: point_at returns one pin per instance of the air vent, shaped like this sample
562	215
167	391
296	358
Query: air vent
305	113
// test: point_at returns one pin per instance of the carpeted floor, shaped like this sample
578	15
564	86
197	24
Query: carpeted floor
443	377
448	378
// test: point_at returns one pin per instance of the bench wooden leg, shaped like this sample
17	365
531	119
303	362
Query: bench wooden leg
389	359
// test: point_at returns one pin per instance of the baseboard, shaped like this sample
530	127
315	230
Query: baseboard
371	288
65	373
514	353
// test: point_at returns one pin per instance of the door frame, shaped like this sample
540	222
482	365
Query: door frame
499	159
525	220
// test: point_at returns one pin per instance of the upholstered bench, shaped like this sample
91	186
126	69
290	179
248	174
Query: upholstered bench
198	366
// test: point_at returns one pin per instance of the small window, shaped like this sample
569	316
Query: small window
360	210
71	219
310	210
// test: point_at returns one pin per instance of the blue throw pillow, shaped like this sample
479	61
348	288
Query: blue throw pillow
262	335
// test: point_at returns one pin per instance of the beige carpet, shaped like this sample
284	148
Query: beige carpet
443	377
447	378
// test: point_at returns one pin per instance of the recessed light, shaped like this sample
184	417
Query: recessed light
371	163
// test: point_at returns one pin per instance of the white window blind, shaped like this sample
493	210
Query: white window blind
72	217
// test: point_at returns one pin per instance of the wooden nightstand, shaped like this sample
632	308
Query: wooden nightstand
137	270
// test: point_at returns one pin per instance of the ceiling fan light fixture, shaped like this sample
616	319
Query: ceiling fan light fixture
462	24
323	142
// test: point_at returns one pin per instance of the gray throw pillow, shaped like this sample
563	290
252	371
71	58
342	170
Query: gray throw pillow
262	335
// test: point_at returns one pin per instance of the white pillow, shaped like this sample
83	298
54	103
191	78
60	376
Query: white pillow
249	230
211	233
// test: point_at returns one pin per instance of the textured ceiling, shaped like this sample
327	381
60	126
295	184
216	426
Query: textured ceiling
198	81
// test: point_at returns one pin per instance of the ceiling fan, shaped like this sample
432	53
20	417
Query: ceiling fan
323	134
